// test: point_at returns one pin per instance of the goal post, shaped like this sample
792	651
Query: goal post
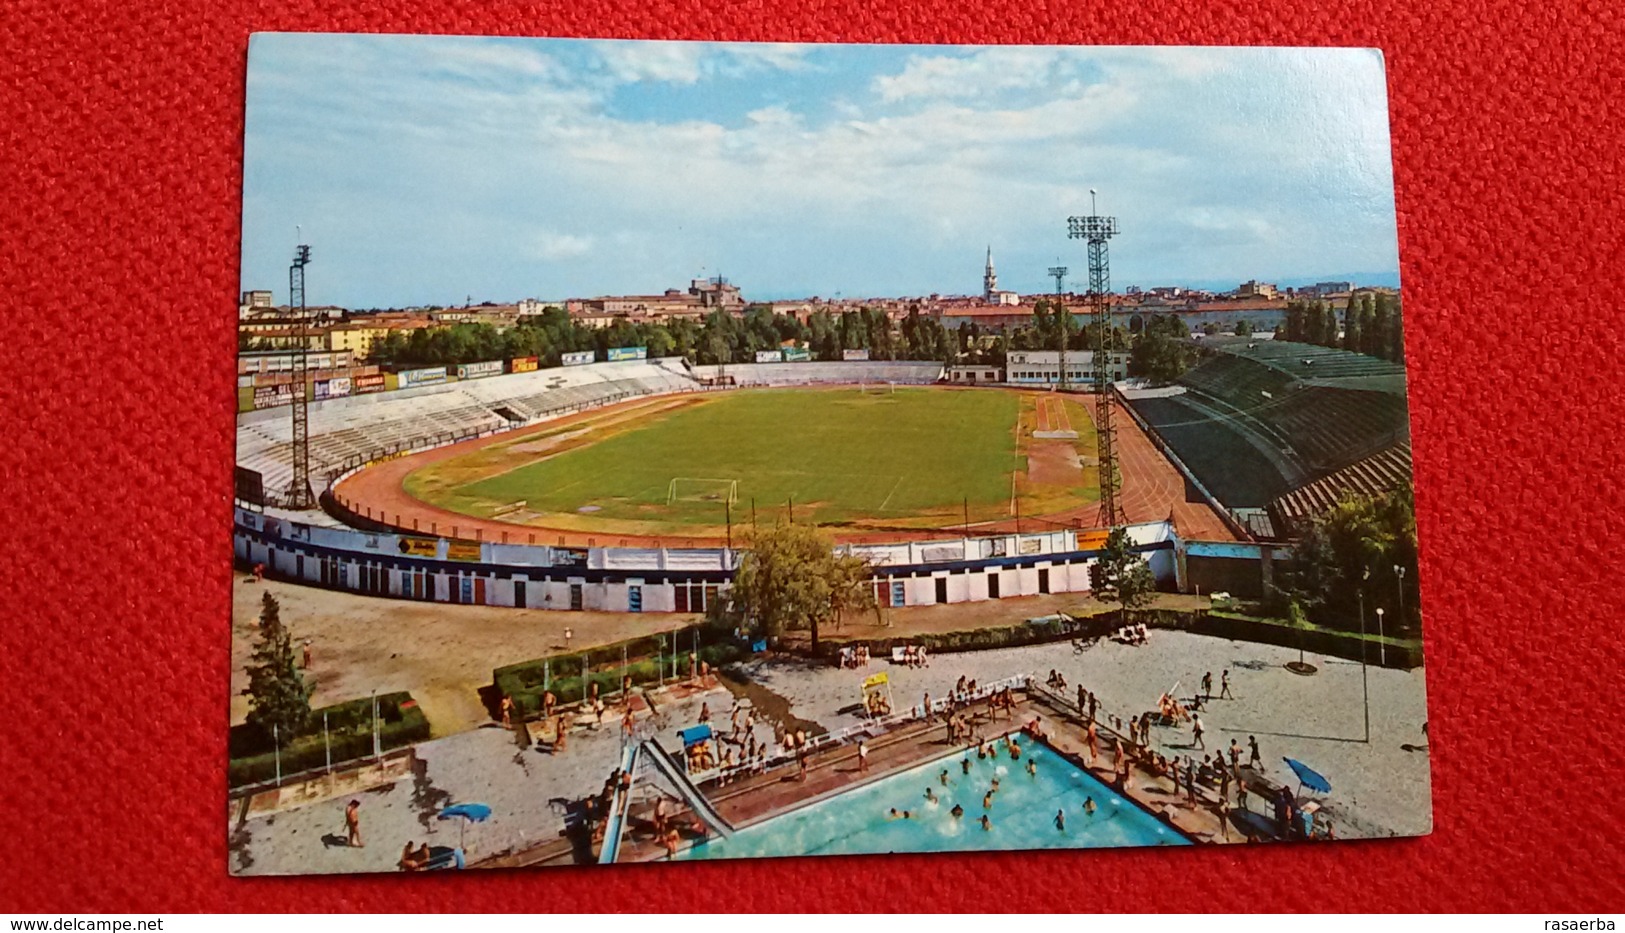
701	489
877	388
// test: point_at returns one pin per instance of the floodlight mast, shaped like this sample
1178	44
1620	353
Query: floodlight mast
1061	317
1095	230
300	494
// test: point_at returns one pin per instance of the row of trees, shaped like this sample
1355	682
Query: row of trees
721	337
1372	324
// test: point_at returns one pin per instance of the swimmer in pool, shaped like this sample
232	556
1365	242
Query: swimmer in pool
987	801
894	815
1032	767
1089	806
930	795
964	764
987	824
942	778
1060	820
957	812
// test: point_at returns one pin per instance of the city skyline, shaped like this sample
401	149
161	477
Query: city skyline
428	169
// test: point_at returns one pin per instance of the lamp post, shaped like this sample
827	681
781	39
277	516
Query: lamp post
1365	683
1399	571
1382	659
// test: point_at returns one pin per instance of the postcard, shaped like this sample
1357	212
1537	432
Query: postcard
660	451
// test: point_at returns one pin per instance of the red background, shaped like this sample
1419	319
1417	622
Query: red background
122	136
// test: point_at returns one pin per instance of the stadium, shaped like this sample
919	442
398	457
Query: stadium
627	485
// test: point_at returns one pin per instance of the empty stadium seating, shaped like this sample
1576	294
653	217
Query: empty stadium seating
1328	407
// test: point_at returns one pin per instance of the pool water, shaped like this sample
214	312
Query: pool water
1021	815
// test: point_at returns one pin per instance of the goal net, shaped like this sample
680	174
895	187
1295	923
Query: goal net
697	489
877	388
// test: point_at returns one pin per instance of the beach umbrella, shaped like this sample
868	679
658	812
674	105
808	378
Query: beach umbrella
466	813
1308	777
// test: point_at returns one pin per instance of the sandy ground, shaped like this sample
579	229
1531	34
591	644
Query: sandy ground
443	653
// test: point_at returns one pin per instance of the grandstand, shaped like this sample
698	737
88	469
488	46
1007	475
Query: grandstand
1260	421
1378	473
1326	407
838	373
345	431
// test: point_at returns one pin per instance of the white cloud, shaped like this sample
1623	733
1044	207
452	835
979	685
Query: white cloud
558	247
978	74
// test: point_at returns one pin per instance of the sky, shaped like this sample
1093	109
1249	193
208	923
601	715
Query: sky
428	170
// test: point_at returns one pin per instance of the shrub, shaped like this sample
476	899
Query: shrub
401	722
526	682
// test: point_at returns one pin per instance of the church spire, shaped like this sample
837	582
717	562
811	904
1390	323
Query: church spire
990	279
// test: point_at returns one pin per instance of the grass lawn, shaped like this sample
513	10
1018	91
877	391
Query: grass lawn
911	456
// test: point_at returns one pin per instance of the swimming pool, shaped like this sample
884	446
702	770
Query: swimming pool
1021	814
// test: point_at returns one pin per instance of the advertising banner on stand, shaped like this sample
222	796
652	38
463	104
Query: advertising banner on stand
622	354
769	356
479	370
579	358
523	364
422	377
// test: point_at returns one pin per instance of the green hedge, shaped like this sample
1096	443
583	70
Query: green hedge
1399	653
527	681
402	722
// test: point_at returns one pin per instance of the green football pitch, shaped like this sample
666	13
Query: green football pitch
908	458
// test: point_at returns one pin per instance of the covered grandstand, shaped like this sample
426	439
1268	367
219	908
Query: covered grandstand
1256	421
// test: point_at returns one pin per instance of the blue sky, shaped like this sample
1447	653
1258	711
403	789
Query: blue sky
427	169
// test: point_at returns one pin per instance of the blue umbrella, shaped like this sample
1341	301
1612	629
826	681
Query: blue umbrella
1308	777
468	813
694	735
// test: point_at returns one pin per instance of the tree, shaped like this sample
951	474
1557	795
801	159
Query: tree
792	578
1161	352
1351	326
1244	328
1118	575
1356	544
278	697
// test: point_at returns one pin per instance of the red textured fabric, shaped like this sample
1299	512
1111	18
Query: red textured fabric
122	133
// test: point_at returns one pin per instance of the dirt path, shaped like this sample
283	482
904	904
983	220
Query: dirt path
442	653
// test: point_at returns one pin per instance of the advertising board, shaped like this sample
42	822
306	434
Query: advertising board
621	354
419	547
769	356
523	364
580	358
463	550
479	370
372	382
854	354
422	377
797	354
272	396
336	387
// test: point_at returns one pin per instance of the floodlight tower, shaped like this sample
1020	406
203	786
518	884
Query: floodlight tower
1059	273
300	495
1095	230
